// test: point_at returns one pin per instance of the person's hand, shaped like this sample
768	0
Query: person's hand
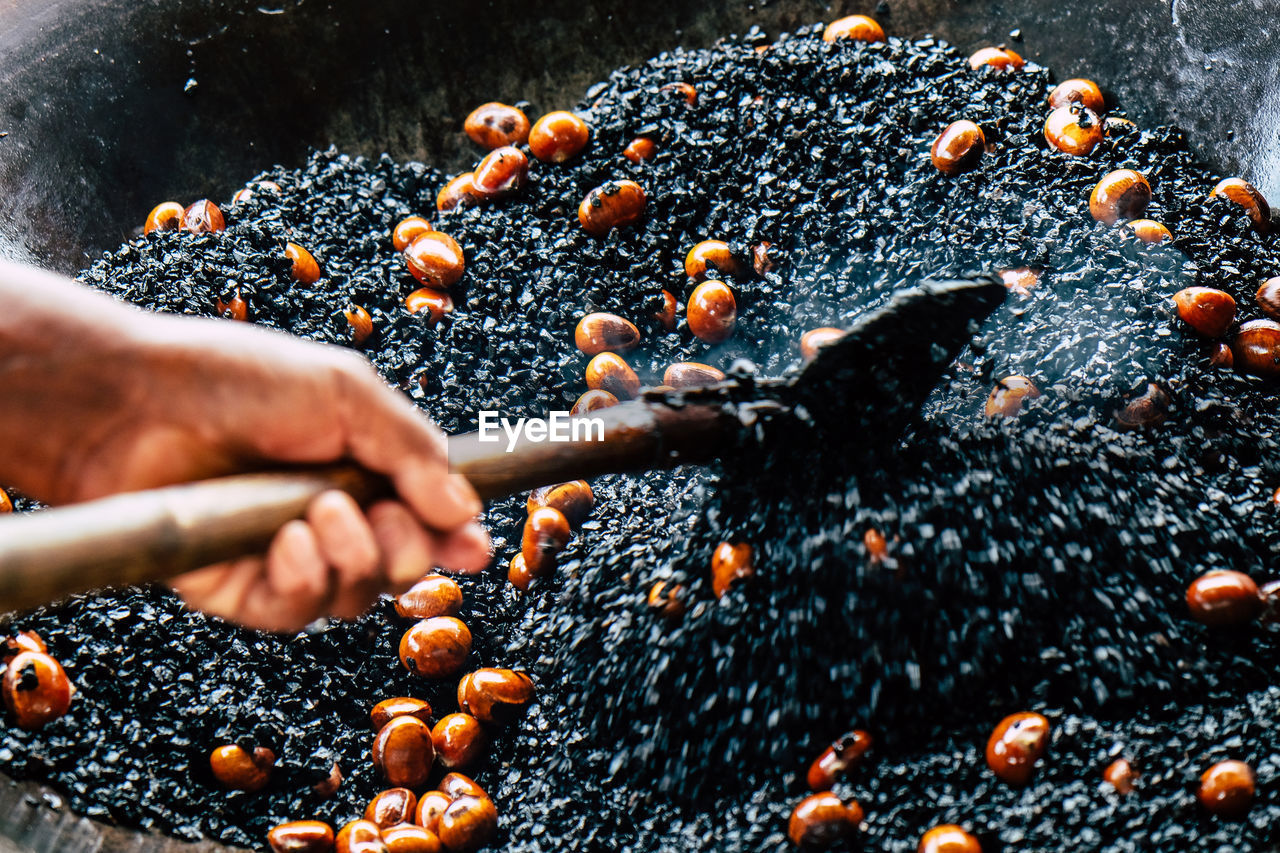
142	400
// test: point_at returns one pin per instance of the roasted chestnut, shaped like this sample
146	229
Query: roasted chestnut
1149	231
1226	789
1221	356
435	259
667	316
1020	280
600	332
814	339
468	824
301	836
431	303
996	57
610	372
948	838
6	502
361	323
459	192
245	193
408	838
1122	194
518	574
1074	129
546	532
23	641
455	785
501	172
399	706
329	785
691	374
1224	598
1210	312
710	255
958	148
430	806
407	230
712	313
877	548
667	599
730	563
839	756
240	769
1007	397
856	27
823	820
165	216
495	695
392	806
1078	91
1268	297
203	217
640	149
558	136
1018	742
1256	348
681	90
436	647
1120	775
1247	196
434	595
594	401
494	125
459	740
403	752
35	687
359	836
1147	410
762	258
611	205
305	270
235	308
575	499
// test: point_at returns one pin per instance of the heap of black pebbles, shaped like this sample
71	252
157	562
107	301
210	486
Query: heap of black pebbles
1037	563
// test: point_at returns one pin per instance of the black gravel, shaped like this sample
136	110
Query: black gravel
1038	563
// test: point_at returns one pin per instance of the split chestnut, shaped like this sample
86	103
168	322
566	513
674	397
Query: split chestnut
713	312
434	595
574	499
730	563
1226	789
610	372
301	836
435	259
399	706
594	401
240	769
459	740
948	838
436	647
1256	348
304	268
35	687
1224	598
359	836
1247	196
611	205
403	752
558	136
494	125
494	696
958	148
1073	129
600	332
823	820
165	216
455	785
1210	312
407	838
1121	195
203	217
391	807
1078	91
837	758
856	27
1018	742
431	806
1006	399
407	230
468	824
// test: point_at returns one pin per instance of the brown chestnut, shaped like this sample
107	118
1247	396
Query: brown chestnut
436	647
1224	598
546	532
762	258
407	230
691	374
823	820
1120	775
558	136
996	57
430	806
1078	91
958	148
359	836
23	641
1221	356
1247	196
408	838
165	216
1007	397
6	502
1149	231
203	217
459	740
712	313
361	323
1268	297
1121	195
1226	789
301	836
1074	129
1018	742
434	595
494	125
459	192
667	599
814	339
518	574
403	752
431	303
948	838
1148	410
575	499
1210	312
838	757
640	149
305	270
611	205
711	255
235	308
245	193
1256	348
594	401
877	548
399	706
730	563
600	332
35	687
435	259
856	27
610	372
468	824
501	172
667	316
392	806
495	695
455	785
240	769
329	785
681	90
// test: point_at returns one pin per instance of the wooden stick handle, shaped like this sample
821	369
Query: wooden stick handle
150	535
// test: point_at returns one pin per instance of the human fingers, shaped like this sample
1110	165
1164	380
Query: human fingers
406	548
466	550
220	590
345	540
296	584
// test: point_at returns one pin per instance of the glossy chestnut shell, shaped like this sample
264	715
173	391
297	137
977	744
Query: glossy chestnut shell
1078	91
240	769
1073	129
495	124
1018	742
403	752
1121	195
436	647
407	230
304	268
459	740
399	706
711	255
948	838
691	374
842	754
611	205
594	401
1248	197
574	499
435	259
856	27
958	148
1224	598
546	533
301	836
1226	789
1006	399
495	696
601	332
730	563
712	313
814	339
390	807
1120	775
558	136
1205	309
1256	348
165	216
468	824
35	688
610	372
823	820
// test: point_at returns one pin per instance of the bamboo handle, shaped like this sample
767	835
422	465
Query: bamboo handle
150	535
